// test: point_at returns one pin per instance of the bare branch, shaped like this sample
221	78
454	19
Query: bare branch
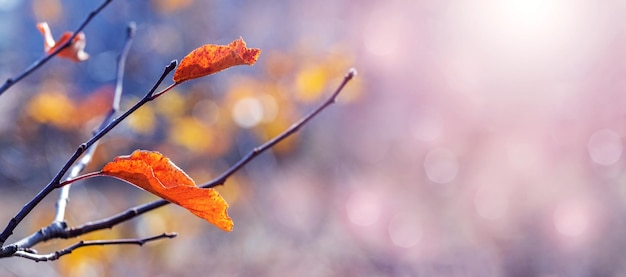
109	222
121	64
38	63
115	106
294	128
54	230
54	183
32	255
64	194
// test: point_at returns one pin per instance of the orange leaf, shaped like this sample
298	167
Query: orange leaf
74	52
210	58
155	173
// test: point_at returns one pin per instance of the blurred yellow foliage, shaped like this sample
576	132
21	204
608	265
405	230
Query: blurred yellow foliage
168	6
278	65
208	112
143	120
270	104
231	191
311	82
47	10
52	107
190	133
274	128
171	104
91	260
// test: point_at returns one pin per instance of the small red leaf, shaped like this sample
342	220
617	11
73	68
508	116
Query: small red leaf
155	173
74	52
210	58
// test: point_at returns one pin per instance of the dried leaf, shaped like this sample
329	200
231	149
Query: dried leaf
74	52
210	58
155	173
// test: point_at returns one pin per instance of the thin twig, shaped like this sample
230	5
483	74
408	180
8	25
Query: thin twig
109	222
38	63
63	232
57	254
8	231
64	193
294	128
121	65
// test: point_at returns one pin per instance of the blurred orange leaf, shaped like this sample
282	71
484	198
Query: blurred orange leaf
74	52
211	58
155	173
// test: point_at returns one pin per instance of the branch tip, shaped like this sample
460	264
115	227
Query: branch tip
131	29
351	73
172	65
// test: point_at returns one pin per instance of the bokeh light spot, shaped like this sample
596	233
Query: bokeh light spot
168	6
404	230
310	83
605	147
571	219
189	132
248	112
441	165
270	107
47	10
363	208
206	111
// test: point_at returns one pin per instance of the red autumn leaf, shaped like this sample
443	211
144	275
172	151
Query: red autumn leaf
155	173
74	52
211	58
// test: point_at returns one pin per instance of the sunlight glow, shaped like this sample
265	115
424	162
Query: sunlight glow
528	15
441	165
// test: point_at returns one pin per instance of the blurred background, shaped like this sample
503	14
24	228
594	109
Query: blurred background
480	138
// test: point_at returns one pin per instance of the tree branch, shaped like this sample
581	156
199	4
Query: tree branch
294	128
32	255
60	230
38	63
8	231
115	106
109	222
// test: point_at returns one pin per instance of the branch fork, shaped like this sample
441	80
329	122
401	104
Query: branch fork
58	228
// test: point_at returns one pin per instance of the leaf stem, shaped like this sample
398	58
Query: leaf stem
70	181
